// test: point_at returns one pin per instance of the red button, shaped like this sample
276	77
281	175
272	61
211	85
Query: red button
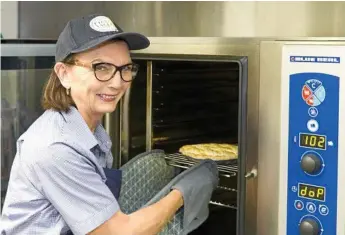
306	92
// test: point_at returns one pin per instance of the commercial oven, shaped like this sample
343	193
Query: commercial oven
285	95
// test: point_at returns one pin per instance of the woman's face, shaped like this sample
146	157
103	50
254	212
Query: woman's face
91	96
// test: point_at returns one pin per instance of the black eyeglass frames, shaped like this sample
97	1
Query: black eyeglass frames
105	71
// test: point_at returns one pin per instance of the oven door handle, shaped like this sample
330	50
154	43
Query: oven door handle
252	174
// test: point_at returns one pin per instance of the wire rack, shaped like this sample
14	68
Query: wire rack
179	160
230	206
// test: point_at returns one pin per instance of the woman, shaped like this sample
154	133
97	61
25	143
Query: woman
59	177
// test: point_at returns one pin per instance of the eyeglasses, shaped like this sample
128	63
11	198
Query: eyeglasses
105	71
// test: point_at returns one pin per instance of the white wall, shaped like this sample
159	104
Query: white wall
9	19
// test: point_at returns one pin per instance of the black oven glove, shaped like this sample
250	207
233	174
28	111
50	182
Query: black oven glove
196	185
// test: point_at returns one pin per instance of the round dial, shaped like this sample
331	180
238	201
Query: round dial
309	227
311	163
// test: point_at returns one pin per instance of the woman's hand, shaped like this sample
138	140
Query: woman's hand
148	220
179	195
197	185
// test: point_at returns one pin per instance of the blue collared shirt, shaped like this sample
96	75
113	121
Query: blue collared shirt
57	181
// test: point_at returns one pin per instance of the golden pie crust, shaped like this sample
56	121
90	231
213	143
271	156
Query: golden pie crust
213	151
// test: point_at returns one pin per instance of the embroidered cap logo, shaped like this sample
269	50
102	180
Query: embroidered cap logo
103	24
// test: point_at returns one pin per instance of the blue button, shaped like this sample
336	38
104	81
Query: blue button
323	209
313	84
313	112
311	207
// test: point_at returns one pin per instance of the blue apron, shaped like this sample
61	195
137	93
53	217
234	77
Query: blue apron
114	177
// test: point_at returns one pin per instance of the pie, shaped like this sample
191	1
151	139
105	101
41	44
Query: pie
213	151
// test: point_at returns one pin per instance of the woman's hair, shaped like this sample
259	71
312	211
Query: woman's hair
54	94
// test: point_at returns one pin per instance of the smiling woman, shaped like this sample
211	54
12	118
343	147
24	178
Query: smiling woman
63	166
93	81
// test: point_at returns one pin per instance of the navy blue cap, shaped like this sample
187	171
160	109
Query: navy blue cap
87	32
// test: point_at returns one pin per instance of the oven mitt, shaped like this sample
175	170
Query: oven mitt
142	178
196	185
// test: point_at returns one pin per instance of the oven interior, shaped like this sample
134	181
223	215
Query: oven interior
192	101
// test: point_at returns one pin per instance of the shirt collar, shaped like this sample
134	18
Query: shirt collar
103	138
77	127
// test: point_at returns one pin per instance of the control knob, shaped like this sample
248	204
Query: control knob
309	227
311	163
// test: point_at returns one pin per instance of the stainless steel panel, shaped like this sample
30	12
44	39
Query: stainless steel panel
235	47
27	49
271	213
46	19
192	19
269	141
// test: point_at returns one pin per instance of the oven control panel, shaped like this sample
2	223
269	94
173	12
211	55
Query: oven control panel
313	153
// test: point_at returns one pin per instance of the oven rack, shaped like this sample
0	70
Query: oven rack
220	202
227	189
230	206
179	160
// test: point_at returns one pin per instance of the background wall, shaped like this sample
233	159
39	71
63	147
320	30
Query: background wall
9	19
184	19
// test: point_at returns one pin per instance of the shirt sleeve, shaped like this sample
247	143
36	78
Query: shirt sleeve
72	184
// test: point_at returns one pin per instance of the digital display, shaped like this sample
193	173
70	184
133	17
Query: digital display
312	192
312	141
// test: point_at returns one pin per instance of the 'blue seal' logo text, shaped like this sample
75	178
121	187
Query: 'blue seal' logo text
315	59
